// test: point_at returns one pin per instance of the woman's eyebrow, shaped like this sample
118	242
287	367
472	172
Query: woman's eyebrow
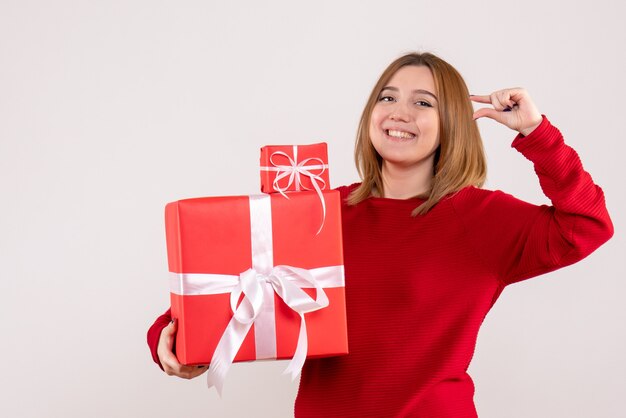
414	91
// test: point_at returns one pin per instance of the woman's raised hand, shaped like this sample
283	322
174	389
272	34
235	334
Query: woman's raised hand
168	360
511	107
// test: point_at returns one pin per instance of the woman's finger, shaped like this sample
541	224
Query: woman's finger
499	101
480	99
164	349
487	112
168	360
189	372
508	99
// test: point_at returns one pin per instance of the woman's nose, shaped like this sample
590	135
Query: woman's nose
399	113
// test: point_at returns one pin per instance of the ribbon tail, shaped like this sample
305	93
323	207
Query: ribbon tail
225	353
216	376
296	363
323	202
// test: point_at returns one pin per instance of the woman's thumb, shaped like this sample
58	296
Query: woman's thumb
172	327
486	112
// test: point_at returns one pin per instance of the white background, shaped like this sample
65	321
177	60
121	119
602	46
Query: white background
111	109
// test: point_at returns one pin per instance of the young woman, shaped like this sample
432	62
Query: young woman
426	251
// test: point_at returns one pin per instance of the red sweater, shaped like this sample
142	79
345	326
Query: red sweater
418	288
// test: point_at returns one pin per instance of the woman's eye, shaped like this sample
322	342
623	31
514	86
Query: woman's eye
423	103
385	99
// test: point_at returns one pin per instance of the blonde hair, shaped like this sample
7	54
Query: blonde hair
460	158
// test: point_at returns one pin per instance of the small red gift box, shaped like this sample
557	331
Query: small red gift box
256	273
294	168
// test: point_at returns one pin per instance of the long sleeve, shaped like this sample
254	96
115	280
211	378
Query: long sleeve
519	240
154	333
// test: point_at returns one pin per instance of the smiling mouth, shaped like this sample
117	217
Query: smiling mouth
399	134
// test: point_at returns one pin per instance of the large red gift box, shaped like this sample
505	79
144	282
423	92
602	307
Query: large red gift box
217	238
294	168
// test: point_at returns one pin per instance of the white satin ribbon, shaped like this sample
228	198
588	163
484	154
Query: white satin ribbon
258	285
294	171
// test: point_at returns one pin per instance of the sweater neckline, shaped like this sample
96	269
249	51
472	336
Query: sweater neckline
414	201
387	200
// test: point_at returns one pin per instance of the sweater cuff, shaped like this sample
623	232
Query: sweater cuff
543	137
154	334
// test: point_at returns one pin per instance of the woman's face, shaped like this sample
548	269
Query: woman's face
404	126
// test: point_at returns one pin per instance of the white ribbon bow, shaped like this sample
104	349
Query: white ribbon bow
286	281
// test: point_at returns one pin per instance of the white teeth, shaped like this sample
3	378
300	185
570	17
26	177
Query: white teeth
400	134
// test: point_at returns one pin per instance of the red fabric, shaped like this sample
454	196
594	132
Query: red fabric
418	288
155	332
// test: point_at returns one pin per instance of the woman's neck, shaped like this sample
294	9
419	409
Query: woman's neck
406	182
